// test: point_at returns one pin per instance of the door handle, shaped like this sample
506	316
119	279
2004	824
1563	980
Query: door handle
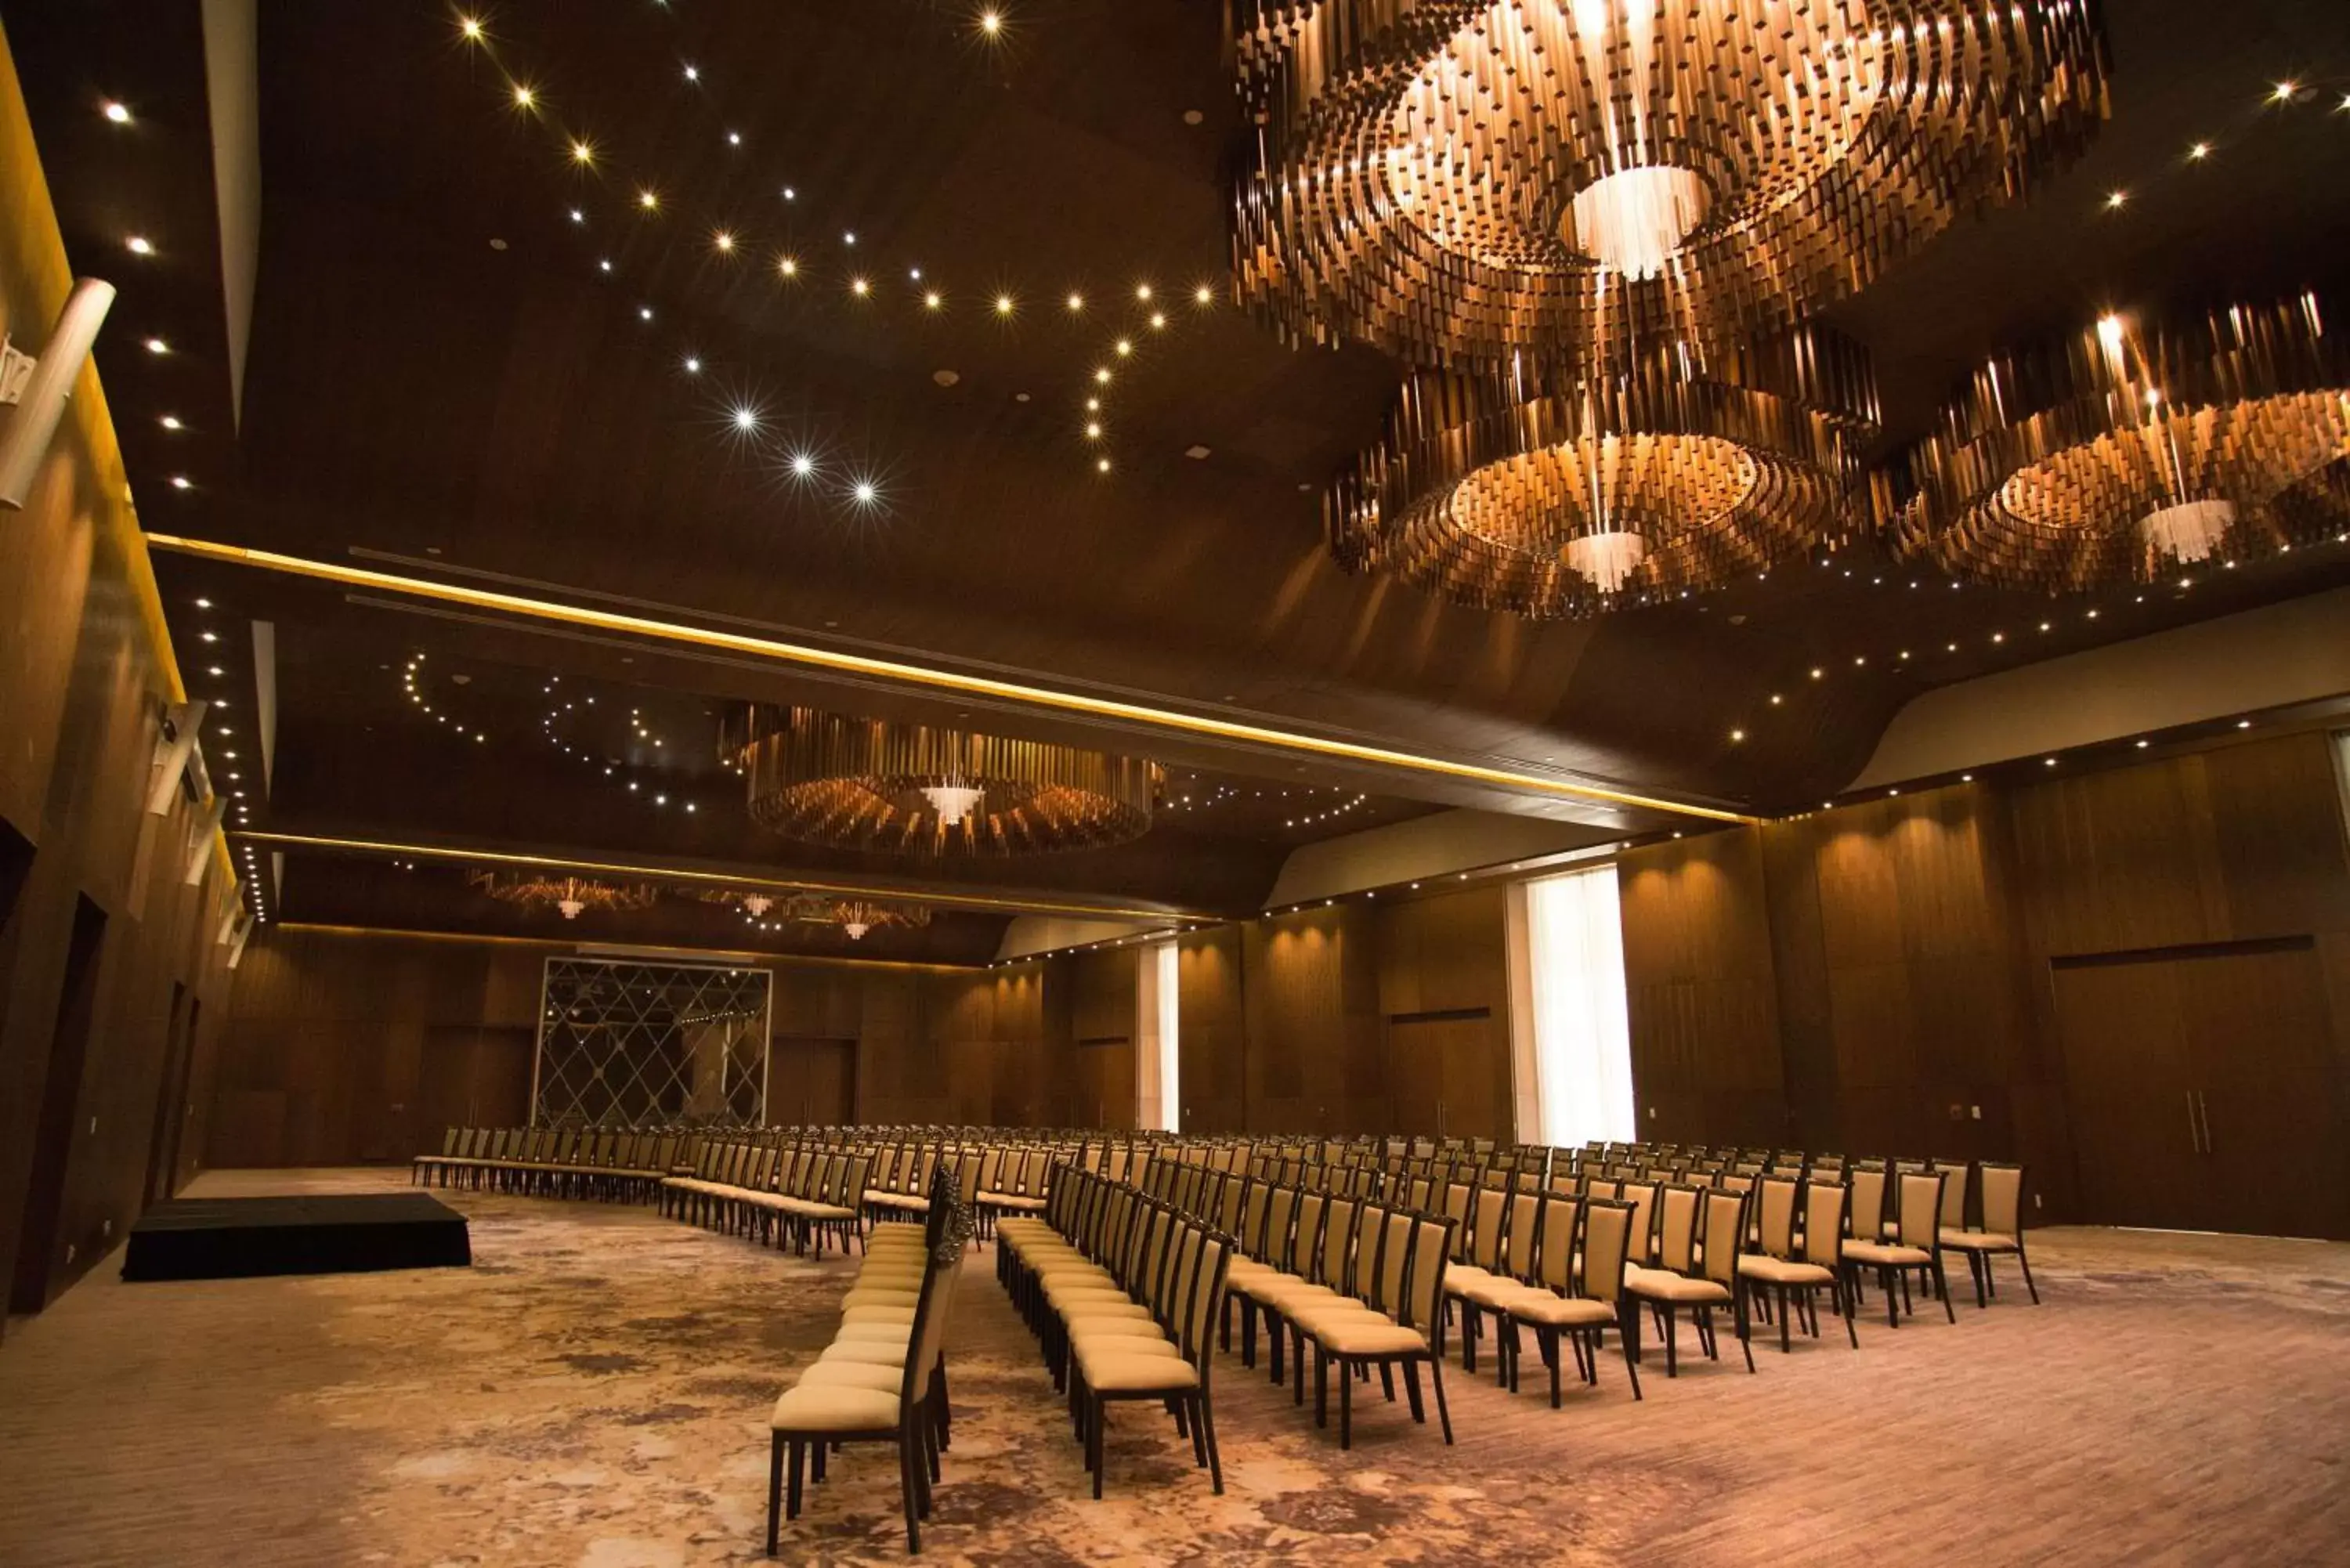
2194	1130
2203	1108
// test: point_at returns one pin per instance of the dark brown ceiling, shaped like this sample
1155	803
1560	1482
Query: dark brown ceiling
442	379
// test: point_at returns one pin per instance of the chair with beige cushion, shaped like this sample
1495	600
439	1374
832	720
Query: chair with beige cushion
2001	1187
1163	1359
1677	1281
1513	1269
1581	1296
1917	1248
1395	1320
1797	1270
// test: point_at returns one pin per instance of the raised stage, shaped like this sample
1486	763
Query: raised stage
231	1237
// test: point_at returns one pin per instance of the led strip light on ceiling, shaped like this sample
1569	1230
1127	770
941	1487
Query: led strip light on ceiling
455	855
941	679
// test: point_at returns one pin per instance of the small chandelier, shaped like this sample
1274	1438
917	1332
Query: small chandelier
870	785
856	917
570	897
1614	489
1456	180
2127	454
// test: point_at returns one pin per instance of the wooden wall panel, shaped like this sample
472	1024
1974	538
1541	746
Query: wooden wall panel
85	676
1212	1019
1316	1058
1700	989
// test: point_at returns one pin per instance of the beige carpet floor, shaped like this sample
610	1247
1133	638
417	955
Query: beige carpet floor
595	1391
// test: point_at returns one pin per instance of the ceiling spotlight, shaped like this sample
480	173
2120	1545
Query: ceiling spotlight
2284	91
157	346
1102	376
1003	305
203	604
1102	466
1093	431
179	482
171	423
930	301
1142	291
1204	295
2116	199
582	153
787	266
865	492
859	287
746	418
139	245
991	23
120	115
723	241
692	74
523	96
2200	152
648	200
1737	734
1123	347
733	138
802	465
850	238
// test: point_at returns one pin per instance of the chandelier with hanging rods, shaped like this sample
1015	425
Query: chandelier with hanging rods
854	916
1460	181
870	784
2130	452
569	896
1671	478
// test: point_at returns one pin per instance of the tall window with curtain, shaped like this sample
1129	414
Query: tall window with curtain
1582	1035
1158	1067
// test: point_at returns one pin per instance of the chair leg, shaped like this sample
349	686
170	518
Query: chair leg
1980	1267
775	1488
2025	1263
1207	1424
1094	1441
906	1485
1629	1333
1942	1288
1673	1341
1436	1378
1345	1408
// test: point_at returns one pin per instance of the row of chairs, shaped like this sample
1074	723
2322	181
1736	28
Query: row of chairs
1123	1291
883	1378
806	1196
561	1162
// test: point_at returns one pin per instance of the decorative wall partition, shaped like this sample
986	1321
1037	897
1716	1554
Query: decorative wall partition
627	1044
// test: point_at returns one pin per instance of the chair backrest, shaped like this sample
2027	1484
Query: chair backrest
1642	1197
1724	1234
1393	1263
1954	1193
1865	1208
1922	1209
2001	1186
1556	1241
1486	1217
1606	1236
1775	1201
1280	1219
1520	1234
1312	1205
1824	1213
1330	1261
1677	1227
1423	1301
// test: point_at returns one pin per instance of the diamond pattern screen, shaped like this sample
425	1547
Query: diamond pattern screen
632	1044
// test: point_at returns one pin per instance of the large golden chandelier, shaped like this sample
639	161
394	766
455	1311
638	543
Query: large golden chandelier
571	896
2130	452
870	785
1671	478
1462	181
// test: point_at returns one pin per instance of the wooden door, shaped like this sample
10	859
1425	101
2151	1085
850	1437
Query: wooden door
2202	1090
1105	1084
811	1082
2261	1048
2131	1091
1449	1073
501	1079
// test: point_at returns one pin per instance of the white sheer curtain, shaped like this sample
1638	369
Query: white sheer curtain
1582	1034
1159	1074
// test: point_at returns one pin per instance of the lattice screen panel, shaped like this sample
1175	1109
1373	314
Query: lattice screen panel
623	1044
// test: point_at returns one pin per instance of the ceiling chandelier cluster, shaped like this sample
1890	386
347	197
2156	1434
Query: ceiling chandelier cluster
1671	478
867	784
2128	453
569	896
854	917
1599	228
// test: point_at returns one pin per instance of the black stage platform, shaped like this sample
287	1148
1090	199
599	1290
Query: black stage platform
229	1238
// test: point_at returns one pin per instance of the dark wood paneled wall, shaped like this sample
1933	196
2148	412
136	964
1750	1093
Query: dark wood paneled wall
1878	978
325	1060
84	679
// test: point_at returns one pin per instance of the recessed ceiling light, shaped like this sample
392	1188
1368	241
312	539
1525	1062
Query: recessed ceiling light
523	96
157	346
171	423
1196	453
139	245
118	113
181	482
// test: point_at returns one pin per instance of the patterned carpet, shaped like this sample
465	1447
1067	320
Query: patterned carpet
595	1391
